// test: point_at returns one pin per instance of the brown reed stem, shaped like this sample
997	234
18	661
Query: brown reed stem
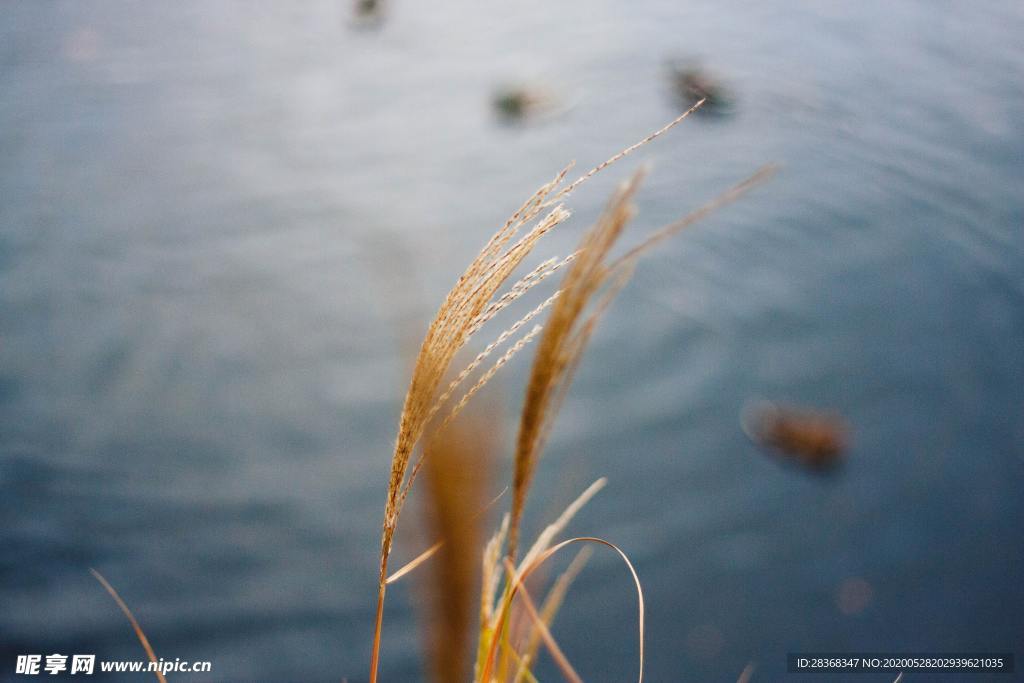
378	625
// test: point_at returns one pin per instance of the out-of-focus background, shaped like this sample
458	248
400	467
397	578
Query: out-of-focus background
223	225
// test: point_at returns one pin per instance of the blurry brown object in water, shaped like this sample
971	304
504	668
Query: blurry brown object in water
515	104
814	439
368	12
693	83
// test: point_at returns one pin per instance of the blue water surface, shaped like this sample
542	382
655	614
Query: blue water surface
224	225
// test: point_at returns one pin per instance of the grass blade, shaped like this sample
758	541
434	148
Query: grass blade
131	619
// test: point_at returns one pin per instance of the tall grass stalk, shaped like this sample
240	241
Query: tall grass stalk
591	281
468	306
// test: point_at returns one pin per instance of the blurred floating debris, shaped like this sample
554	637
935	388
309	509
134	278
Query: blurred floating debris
812	439
691	83
368	13
516	104
854	596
